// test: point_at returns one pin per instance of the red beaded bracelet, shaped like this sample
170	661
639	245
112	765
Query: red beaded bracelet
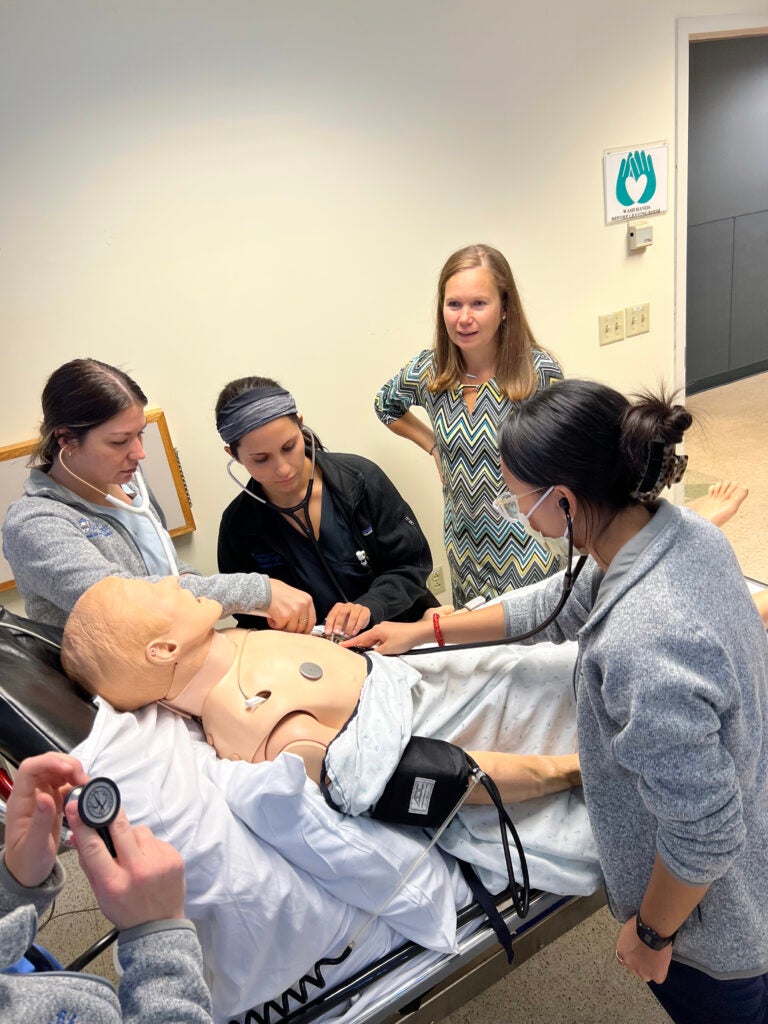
438	631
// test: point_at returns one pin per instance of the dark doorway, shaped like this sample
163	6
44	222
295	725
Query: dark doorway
727	282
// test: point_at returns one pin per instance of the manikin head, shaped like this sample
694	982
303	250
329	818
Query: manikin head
134	642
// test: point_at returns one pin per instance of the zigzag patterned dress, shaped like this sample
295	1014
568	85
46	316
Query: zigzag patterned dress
486	555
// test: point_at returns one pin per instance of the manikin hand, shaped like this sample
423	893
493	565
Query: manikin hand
34	815
291	610
145	882
347	618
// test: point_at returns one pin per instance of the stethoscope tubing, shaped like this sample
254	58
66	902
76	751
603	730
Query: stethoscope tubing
571	575
143	508
291	513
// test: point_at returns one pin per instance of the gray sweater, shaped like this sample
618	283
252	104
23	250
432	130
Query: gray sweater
672	688
162	981
57	546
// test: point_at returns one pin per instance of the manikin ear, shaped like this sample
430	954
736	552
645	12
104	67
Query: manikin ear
161	652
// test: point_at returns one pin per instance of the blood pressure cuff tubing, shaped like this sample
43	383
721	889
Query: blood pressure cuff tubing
424	790
429	781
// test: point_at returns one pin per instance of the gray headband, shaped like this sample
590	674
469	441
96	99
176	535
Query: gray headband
252	410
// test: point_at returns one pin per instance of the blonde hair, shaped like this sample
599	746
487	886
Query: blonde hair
515	373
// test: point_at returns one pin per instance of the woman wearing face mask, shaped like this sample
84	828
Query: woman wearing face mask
485	360
333	525
672	691
86	514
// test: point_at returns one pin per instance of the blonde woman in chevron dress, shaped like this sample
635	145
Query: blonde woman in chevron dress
485	360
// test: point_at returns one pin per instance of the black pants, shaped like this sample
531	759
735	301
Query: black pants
692	997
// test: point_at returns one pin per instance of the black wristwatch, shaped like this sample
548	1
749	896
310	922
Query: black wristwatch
651	938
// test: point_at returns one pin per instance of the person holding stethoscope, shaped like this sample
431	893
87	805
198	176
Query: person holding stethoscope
671	681
86	512
328	523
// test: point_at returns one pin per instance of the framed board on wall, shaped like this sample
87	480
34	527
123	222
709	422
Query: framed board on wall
161	469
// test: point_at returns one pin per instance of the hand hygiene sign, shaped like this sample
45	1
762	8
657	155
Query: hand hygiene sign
635	182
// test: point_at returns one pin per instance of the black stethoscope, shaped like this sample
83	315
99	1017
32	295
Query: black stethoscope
292	513
569	579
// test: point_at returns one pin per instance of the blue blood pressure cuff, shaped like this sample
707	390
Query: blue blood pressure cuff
427	784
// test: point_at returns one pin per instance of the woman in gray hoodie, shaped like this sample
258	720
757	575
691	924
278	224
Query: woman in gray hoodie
141	891
77	520
672	690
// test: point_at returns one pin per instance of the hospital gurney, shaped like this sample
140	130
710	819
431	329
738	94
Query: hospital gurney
40	710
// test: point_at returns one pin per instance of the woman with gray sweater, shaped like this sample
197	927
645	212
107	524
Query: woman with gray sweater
141	891
83	517
672	690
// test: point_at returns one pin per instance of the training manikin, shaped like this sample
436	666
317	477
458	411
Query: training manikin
256	693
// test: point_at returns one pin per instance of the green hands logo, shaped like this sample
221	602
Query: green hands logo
636	181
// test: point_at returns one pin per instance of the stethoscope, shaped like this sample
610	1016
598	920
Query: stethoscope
305	524
569	579
142	507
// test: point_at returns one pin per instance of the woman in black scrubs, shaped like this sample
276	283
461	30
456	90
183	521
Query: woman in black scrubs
332	525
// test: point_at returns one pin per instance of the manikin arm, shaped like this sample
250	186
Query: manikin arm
518	776
301	734
525	776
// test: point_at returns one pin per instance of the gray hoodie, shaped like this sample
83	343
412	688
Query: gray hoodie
672	688
162	980
57	546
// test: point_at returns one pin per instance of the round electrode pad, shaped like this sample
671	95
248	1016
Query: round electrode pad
310	670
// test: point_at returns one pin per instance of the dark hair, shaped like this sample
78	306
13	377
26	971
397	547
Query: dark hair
235	388
590	438
80	395
515	373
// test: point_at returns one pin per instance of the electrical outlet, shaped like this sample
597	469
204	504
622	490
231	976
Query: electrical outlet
611	327
638	319
436	580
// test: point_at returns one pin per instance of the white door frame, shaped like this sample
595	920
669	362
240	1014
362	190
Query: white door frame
714	26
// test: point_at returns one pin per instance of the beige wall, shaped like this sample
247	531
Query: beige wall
198	190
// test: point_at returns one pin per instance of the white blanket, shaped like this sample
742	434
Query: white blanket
284	883
506	698
277	879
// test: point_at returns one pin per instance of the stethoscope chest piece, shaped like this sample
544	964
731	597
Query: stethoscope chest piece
98	803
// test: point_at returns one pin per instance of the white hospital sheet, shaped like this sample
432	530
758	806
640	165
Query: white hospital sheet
263	919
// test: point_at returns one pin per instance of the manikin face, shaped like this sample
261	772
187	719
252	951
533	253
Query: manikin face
274	456
109	454
472	311
190	618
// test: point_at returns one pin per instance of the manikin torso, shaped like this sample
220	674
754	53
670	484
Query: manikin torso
297	713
